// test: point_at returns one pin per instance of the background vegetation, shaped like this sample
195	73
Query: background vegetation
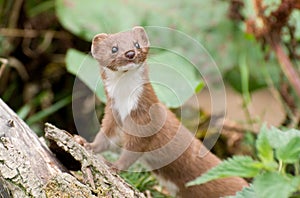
255	44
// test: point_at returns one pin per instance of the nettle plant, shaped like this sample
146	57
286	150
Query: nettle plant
275	172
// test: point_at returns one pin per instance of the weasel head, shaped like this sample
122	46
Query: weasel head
122	51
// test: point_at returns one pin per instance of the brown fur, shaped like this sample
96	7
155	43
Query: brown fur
153	129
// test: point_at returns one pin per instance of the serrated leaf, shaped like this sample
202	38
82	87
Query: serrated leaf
247	192
290	153
286	144
272	184
278	138
264	149
241	166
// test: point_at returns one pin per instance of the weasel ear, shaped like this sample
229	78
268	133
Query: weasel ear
140	33
95	44
100	37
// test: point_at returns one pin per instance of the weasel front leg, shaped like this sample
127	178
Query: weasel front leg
101	143
126	159
132	150
107	132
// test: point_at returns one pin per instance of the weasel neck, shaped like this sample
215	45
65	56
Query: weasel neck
125	88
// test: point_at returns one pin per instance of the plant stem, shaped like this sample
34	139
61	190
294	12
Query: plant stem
297	167
280	166
285	63
4	63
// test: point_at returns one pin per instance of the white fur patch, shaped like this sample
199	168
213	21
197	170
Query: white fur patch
130	66
125	88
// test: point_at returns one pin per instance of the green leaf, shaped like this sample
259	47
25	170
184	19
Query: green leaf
271	6
247	192
244	79
286	144
241	166
264	149
24	111
259	72
248	10
272	184
278	138
174	79
294	21
33	7
290	153
99	16
117	15
48	111
86	69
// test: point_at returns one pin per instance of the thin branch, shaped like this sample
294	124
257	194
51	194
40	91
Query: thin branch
285	63
15	14
2	67
30	33
270	31
19	66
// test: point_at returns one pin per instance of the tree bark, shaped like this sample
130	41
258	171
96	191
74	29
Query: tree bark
94	169
25	163
29	169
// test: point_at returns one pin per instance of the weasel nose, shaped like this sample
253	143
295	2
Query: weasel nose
130	54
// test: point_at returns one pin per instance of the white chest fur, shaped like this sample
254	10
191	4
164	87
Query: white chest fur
125	89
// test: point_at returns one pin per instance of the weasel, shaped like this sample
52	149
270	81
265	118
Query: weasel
146	129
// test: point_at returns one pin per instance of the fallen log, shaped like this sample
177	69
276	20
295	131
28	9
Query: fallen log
29	169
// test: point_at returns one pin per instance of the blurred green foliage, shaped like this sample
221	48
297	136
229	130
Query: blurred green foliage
208	22
204	20
39	77
275	150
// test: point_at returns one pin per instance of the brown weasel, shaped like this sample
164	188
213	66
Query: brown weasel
146	129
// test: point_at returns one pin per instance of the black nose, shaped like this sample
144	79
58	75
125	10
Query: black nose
130	54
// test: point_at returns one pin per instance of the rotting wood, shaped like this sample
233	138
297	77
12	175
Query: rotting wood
25	163
29	169
95	170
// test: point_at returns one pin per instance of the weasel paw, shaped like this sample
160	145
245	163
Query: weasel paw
80	140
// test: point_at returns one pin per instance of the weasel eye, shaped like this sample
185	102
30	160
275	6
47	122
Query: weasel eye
114	49
137	45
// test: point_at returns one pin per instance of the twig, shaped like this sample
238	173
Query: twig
14	63
27	42
18	65
14	17
270	31
30	33
2	67
285	63
235	127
